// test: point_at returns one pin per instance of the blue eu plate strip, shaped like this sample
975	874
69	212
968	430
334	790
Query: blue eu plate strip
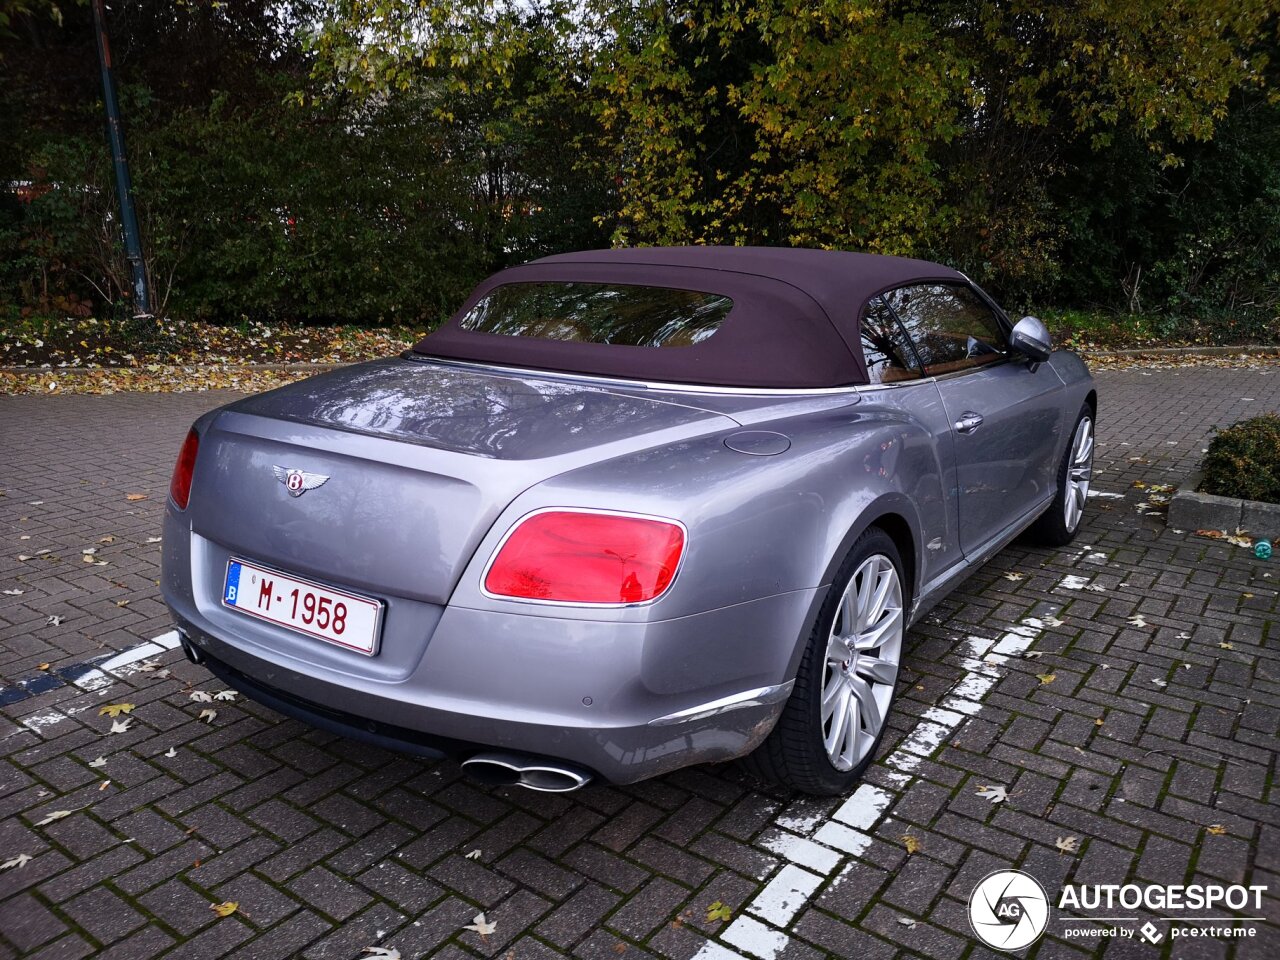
232	588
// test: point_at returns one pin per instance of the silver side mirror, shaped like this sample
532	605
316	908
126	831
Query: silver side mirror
1030	338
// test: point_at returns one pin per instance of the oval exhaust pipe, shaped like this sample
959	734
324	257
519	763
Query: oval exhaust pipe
533	773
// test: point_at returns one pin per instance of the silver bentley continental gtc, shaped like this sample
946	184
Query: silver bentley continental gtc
628	510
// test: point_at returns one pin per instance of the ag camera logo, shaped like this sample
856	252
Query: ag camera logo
1008	910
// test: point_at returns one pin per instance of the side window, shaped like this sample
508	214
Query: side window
885	346
951	327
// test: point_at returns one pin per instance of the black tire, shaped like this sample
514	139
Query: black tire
1051	528
793	754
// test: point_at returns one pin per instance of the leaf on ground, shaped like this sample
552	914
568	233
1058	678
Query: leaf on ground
1216	829
228	695
1046	677
120	726
390	953
1068	844
100	762
1137	621
115	709
55	621
208	715
56	815
23	557
1098	722
1226	646
1032	655
996	794
21	860
89	551
906	922
474	854
1159	683
107	539
44	666
912	843
171	752
122	603
199	696
1053	622
225	909
149	666
135	497
154	539
719	911
481	926
1015	577
13	593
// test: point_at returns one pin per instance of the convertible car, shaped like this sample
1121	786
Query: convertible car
627	511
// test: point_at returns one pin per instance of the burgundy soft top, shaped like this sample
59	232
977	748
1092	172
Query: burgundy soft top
794	321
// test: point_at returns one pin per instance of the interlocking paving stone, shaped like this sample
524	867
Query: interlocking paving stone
330	847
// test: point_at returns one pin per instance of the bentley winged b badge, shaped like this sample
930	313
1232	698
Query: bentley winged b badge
298	482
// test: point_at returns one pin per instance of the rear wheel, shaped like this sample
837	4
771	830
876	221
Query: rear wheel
1059	524
828	732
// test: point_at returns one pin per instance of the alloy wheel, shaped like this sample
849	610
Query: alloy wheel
1079	473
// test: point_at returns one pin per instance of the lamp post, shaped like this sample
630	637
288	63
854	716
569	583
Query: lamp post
120	161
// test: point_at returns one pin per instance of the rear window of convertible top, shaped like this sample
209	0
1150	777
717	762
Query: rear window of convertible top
624	314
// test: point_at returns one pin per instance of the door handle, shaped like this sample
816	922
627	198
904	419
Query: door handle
968	422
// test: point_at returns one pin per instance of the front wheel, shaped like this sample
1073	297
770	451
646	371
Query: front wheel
1059	524
835	718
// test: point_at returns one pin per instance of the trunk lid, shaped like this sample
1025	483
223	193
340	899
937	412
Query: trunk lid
421	459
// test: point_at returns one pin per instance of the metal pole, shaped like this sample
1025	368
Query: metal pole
124	187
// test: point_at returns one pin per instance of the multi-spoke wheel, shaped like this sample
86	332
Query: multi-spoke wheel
1058	524
863	652
835	716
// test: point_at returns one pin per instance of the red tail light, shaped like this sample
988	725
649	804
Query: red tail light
180	485
578	557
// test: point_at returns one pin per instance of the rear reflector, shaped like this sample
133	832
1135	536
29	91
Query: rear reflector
577	557
180	485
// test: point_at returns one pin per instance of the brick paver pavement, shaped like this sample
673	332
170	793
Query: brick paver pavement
1153	745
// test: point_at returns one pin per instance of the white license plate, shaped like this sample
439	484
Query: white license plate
342	618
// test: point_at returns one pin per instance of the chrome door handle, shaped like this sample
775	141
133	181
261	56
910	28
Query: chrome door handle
968	422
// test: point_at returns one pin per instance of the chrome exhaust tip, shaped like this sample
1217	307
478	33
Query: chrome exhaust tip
532	773
190	649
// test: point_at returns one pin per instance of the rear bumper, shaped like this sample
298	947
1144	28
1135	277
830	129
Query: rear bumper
716	729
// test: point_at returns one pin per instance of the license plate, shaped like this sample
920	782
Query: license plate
318	611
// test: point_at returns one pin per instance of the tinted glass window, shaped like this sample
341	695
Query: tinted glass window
951	327
885	346
599	313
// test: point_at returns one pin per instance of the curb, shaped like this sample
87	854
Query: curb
1187	351
1191	510
230	367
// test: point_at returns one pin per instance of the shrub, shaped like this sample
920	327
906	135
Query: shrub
1244	460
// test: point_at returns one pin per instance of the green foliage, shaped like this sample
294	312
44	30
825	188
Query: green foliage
1244	460
367	161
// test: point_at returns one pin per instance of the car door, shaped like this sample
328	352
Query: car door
1005	415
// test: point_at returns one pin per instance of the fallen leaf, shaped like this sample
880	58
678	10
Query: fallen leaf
55	621
481	926
100	762
474	855
89	551
107	539
1226	646
199	696
388	952
912	843
23	557
1097	722
154	539
21	860
122	603
1015	576
1159	683
1032	655
1216	829
227	695
115	709
13	593
56	815
208	715
1046	677
44	666
120	726
224	909
1053	622
995	794
171	752
1068	844
134	497
906	922
149	666
1137	622
719	912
